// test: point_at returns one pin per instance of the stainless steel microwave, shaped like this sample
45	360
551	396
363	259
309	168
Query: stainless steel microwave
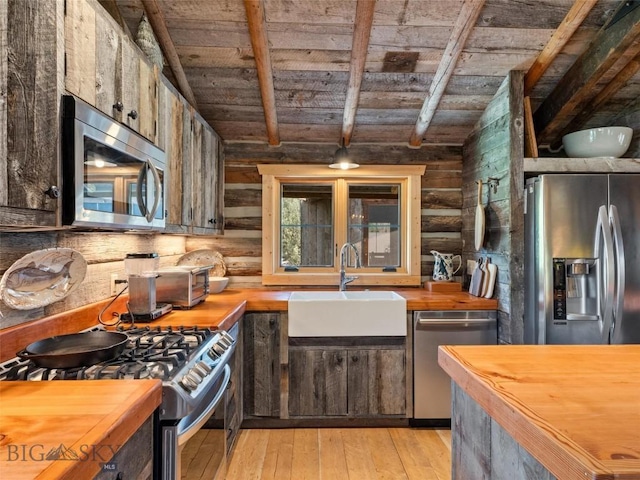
111	176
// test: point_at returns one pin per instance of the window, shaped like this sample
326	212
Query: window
309	212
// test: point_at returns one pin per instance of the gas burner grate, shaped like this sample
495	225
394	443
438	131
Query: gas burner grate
150	352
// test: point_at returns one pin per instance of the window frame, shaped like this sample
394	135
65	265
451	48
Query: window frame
408	176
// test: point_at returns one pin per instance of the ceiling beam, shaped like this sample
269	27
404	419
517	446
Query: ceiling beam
604	95
461	30
558	40
359	48
159	25
260	44
579	85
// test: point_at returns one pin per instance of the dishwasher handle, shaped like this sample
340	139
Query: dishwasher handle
457	324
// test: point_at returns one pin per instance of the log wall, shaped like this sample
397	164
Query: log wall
104	253
495	149
241	243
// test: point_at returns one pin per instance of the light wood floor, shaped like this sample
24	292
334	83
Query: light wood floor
342	453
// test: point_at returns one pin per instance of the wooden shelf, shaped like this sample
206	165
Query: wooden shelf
581	165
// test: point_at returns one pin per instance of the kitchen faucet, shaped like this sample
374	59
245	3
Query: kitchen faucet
344	260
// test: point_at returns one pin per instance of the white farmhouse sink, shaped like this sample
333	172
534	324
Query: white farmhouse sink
347	314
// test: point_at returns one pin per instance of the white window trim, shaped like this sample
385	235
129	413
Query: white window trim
272	175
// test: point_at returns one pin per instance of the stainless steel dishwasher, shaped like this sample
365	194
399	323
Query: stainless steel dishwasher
431	385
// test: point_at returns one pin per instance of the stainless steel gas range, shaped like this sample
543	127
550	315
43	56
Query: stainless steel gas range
193	366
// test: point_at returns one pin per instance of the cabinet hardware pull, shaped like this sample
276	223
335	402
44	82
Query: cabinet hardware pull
133	114
52	192
118	106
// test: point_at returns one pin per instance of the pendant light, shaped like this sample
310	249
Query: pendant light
341	159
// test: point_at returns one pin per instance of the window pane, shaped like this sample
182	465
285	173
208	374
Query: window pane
306	225
374	223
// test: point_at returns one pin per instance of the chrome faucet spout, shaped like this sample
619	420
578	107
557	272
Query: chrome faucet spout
344	260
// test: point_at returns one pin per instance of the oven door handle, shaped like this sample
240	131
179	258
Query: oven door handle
192	429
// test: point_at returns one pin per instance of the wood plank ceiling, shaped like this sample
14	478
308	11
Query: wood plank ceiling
403	72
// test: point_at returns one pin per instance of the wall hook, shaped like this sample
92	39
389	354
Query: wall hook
493	182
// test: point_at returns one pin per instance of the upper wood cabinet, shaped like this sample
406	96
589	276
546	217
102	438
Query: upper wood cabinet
31	78
106	69
193	152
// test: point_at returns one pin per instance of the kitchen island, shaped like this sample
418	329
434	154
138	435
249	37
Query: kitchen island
73	429
544	412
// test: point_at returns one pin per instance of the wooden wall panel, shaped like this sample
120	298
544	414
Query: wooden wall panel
241	242
104	253
495	149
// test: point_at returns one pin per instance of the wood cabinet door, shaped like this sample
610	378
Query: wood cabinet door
261	364
317	382
107	70
204	180
377	382
30	88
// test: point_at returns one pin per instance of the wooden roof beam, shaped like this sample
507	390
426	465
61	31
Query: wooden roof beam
578	86
604	95
159	25
359	48
260	44
556	43
461	30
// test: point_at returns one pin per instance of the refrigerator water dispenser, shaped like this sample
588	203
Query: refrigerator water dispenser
575	294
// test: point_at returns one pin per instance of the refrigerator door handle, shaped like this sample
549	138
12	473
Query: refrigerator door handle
605	277
618	245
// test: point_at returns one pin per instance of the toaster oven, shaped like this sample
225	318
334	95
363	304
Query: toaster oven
182	286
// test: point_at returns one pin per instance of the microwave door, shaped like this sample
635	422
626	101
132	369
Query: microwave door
114	180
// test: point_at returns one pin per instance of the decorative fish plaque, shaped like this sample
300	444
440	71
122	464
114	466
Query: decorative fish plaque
42	277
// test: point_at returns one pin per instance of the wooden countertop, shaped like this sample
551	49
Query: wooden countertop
45	415
576	409
218	310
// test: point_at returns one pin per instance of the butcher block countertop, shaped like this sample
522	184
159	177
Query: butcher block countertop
86	416
218	310
576	409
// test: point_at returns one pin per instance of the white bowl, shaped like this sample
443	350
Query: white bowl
611	142
217	284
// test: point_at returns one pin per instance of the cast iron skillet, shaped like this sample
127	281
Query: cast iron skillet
75	350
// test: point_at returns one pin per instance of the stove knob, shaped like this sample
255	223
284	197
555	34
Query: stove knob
188	384
204	367
213	354
219	348
201	372
194	377
226	339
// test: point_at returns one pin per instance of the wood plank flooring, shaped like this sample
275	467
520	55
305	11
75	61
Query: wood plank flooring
337	454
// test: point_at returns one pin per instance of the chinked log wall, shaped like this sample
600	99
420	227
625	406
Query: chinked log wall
495	149
241	243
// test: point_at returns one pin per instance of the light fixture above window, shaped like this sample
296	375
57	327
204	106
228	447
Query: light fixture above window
342	160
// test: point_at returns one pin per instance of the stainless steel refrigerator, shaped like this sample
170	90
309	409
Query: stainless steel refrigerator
582	271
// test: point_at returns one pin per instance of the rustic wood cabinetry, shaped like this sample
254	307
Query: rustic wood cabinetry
106	69
193	151
31	81
77	48
358	381
135	457
233	398
261	368
320	378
